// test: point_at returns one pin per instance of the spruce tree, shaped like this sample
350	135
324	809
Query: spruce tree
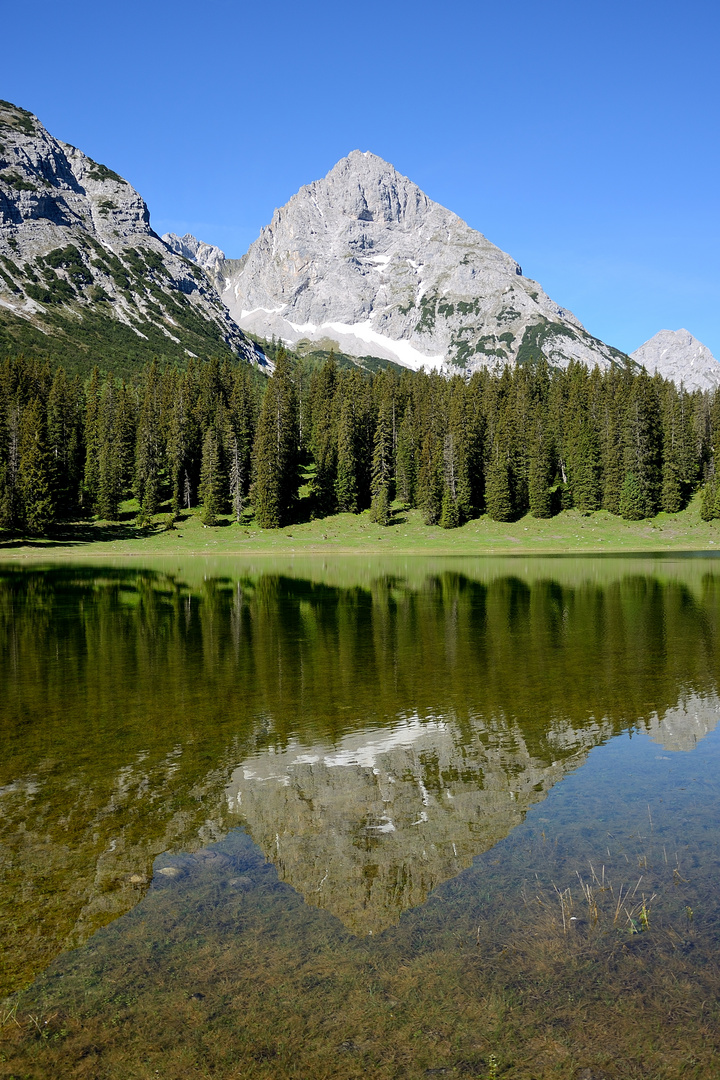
642	442
380	510
587	472
276	449
240	433
498	495
211	478
382	464
539	469
149	447
615	389
430	484
65	442
449	516
110	488
708	500
35	472
323	437
347	487
10	511
406	457
91	478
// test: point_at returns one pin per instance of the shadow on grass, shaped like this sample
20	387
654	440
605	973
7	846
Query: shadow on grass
77	535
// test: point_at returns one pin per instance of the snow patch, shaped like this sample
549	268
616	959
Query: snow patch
405	353
266	310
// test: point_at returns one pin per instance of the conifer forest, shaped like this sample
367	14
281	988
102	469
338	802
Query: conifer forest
312	441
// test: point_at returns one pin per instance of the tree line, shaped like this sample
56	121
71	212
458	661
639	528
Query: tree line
317	440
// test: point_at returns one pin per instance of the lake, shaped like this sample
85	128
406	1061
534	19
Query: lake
404	817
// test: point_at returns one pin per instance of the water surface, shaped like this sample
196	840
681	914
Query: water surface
400	817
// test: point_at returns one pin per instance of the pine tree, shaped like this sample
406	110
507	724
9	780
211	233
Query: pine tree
149	448
498	495
708	500
587	484
382	464
211	478
406	458
640	494
323	437
276	449
110	486
91	478
35	472
449	516
430	485
540	469
65	443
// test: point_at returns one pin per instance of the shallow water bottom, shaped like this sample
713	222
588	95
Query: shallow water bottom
583	945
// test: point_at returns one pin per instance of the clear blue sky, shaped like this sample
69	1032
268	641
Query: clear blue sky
579	135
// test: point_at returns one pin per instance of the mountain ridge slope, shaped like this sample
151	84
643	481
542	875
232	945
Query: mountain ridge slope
81	268
365	259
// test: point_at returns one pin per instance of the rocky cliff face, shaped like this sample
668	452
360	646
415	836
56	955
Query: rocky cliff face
677	355
364	259
79	262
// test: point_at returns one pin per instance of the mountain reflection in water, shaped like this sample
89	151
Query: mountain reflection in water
373	729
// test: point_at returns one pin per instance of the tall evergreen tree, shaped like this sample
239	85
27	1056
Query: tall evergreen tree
35	471
383	460
498	494
540	469
642	458
149	447
323	436
431	479
65	442
406	457
110	485
240	433
211	478
587	472
92	443
276	449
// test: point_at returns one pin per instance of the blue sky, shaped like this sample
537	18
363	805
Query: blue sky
581	137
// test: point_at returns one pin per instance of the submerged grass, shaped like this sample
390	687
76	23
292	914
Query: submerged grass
541	961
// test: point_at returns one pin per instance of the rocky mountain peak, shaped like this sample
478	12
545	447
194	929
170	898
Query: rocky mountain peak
364	260
679	356
209	257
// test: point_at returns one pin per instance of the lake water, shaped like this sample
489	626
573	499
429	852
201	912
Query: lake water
350	818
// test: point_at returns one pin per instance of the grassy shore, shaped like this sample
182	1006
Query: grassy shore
570	533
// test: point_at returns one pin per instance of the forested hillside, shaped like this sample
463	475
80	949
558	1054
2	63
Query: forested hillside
313	441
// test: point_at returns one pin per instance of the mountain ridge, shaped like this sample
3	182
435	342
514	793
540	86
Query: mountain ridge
677	355
81	268
365	259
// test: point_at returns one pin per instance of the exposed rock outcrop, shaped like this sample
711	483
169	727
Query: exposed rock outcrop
365	259
80	263
677	355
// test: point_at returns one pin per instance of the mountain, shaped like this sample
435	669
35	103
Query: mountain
366	260
367	827
83	277
677	355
